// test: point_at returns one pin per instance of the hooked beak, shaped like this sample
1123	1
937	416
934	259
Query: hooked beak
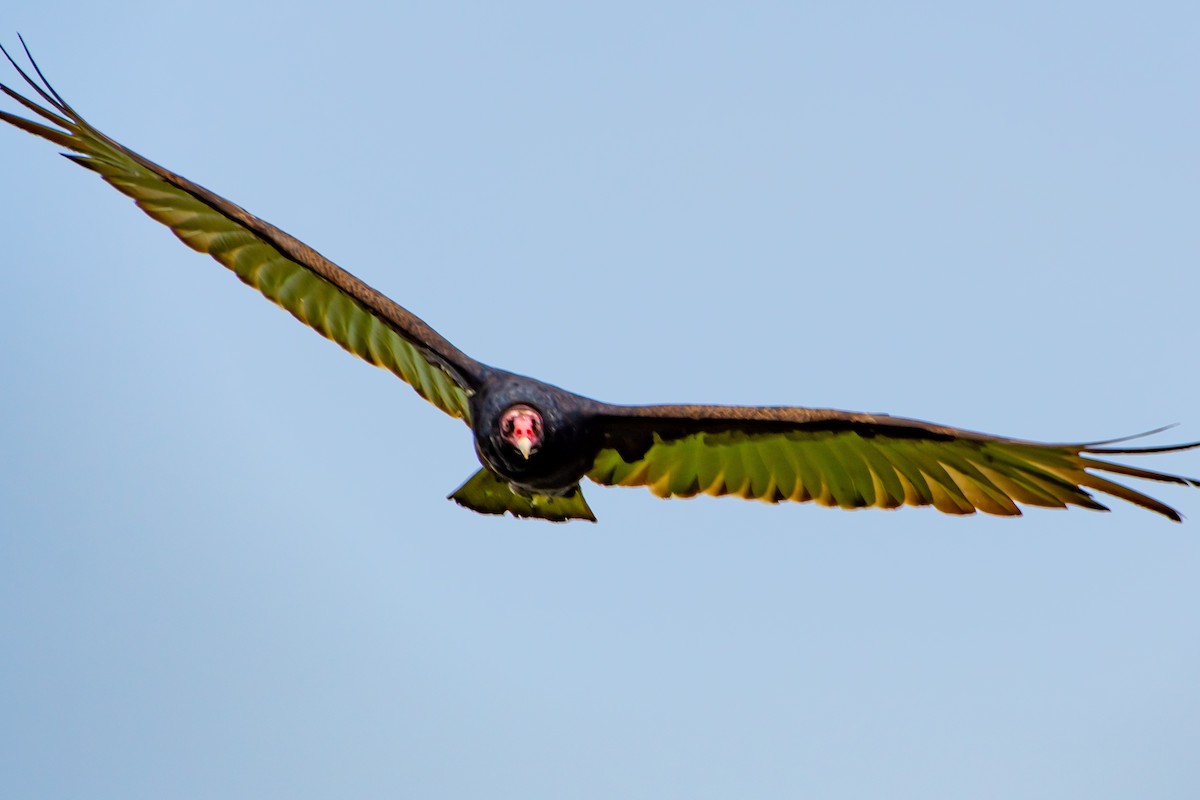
525	446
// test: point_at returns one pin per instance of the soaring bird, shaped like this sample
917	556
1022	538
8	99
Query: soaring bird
536	442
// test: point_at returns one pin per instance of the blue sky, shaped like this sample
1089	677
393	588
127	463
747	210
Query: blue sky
226	565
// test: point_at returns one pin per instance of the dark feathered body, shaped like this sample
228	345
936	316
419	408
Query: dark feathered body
571	439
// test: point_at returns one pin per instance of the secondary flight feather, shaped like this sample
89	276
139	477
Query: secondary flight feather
536	442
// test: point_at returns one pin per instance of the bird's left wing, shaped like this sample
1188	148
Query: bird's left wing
838	458
313	289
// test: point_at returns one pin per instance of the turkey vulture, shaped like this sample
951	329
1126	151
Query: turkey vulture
536	442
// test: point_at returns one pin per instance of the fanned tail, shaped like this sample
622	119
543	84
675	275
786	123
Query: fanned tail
488	493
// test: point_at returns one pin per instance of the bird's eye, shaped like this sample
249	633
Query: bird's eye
507	427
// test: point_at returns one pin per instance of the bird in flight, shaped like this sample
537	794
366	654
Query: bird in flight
536	442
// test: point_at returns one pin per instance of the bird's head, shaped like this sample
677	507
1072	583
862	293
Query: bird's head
521	428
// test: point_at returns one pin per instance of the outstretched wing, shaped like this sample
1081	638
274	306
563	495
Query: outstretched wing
837	458
289	273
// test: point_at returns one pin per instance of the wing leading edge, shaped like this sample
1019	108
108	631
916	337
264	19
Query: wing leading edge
286	271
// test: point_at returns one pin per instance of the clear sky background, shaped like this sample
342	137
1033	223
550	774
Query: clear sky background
227	567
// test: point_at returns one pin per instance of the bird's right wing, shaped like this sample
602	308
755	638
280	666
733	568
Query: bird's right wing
289	273
838	458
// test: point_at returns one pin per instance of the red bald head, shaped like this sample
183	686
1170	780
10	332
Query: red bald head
521	427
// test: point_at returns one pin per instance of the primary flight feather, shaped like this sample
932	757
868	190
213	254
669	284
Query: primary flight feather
536	441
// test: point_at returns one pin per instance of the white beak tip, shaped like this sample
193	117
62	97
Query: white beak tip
525	446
